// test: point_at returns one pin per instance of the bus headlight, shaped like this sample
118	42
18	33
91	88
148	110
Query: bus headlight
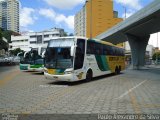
69	71
29	66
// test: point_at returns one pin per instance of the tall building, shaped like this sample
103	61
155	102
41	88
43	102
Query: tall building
95	17
9	15
80	22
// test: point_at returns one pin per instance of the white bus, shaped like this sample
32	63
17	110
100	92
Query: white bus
33	60
37	60
79	58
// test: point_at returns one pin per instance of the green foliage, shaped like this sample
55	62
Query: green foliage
71	34
16	51
156	55
7	34
0	34
3	45
65	34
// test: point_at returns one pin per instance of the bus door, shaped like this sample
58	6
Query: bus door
79	58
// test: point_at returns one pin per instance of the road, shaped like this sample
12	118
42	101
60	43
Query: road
131	92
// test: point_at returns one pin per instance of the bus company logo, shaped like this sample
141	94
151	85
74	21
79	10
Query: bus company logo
113	58
80	75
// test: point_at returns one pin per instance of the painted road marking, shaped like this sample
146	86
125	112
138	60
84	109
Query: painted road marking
130	90
9	77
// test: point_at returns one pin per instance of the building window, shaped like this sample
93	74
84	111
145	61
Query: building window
39	39
33	36
46	42
45	36
32	42
56	35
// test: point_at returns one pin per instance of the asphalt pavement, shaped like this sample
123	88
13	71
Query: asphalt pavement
131	92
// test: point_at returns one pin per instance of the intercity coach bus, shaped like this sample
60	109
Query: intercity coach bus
33	60
24	60
37	60
79	58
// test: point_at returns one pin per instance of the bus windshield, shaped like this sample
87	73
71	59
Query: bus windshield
25	59
31	57
58	57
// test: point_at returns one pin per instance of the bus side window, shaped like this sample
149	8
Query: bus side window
105	52
109	50
90	47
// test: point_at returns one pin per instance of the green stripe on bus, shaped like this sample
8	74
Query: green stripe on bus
102	62
35	66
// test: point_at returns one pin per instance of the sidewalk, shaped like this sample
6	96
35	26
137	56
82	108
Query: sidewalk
145	67
153	66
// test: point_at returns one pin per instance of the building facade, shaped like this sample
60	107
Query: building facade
95	17
34	39
80	22
9	15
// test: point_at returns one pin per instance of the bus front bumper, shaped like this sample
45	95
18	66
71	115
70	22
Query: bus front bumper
23	67
64	77
36	69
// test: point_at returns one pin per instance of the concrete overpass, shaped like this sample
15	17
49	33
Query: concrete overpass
136	29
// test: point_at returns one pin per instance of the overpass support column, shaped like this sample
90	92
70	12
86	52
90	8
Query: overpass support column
138	47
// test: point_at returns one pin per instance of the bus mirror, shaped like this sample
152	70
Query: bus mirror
72	51
43	54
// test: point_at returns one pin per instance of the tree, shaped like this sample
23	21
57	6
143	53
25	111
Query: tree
16	51
3	44
71	34
0	34
156	56
7	34
65	34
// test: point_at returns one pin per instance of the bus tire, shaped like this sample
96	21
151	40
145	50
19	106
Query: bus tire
116	70
89	75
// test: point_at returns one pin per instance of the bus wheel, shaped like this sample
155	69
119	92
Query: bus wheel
89	75
116	70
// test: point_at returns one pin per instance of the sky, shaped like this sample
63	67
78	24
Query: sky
39	15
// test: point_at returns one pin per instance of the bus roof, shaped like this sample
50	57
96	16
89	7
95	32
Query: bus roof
104	42
81	37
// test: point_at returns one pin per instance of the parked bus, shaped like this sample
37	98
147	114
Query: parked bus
37	60
79	58
24	60
33	60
